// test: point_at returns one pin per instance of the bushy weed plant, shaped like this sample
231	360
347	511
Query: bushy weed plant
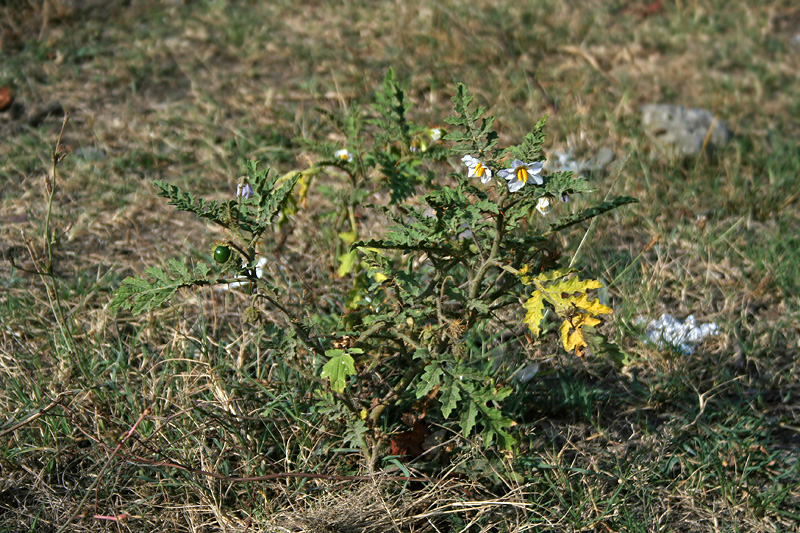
467	257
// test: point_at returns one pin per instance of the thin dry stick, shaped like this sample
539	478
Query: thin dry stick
707	139
56	157
103	470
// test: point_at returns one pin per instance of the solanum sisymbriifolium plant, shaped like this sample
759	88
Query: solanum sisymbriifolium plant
465	258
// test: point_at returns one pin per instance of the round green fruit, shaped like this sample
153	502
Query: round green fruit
222	254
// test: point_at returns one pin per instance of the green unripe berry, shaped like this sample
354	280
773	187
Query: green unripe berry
222	254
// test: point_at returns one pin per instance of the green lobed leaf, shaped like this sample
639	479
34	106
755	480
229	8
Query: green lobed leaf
340	366
602	347
469	413
450	396
140	295
430	379
214	211
495	425
530	149
477	136
347	263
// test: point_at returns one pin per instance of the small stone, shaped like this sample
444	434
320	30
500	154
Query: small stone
680	131
604	157
527	373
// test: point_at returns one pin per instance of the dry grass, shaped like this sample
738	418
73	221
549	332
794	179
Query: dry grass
185	93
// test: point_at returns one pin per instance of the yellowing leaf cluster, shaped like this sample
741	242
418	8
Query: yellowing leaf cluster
568	296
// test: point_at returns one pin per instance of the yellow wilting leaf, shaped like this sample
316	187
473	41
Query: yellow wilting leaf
522	274
348	237
309	172
303	185
346	263
552	275
573	340
592	306
565	295
535	314
569	299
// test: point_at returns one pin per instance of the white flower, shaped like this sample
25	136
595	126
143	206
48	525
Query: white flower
543	205
343	154
476	168
519	174
244	190
435	133
259	273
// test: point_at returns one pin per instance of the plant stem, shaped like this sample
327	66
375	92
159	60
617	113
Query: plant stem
490	260
296	326
52	192
47	271
406	380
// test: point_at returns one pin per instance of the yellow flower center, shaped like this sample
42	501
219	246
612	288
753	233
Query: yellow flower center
522	175
479	170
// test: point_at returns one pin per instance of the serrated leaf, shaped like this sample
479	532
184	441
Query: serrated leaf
431	378
347	262
535	312
495	425
354	435
568	297
214	211
468	414
566	294
571	333
475	397
340	366
449	398
575	284
140	295
592	306
476	135
531	148
501	393
602	347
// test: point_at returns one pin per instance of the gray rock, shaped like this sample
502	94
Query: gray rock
680	131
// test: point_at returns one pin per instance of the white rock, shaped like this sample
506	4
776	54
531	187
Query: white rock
681	131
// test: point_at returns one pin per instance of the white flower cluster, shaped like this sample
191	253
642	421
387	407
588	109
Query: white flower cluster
517	176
